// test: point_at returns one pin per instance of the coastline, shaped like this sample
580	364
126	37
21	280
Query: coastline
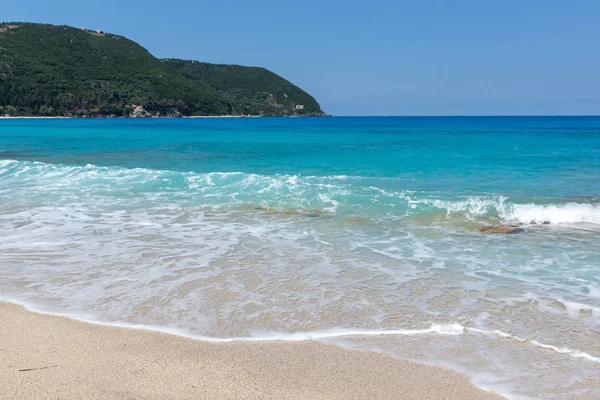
5	117
169	117
48	356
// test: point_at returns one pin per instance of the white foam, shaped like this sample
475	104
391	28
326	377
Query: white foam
557	349
170	249
553	213
485	206
566	350
472	205
276	191
439	329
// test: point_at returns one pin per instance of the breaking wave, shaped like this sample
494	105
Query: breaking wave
373	198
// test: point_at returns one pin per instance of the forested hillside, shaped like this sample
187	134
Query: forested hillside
256	90
48	70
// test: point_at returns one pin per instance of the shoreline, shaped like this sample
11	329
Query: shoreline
174	117
49	356
5	117
190	117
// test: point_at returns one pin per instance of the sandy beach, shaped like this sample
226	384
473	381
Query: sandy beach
50	357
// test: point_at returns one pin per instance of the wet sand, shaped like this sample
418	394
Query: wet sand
49	357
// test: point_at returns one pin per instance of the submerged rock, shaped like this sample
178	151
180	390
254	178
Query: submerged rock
356	220
501	229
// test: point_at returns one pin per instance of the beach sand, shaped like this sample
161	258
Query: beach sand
49	357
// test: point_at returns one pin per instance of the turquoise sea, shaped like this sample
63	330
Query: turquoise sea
361	232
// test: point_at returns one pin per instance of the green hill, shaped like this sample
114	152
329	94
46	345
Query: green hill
256	90
48	70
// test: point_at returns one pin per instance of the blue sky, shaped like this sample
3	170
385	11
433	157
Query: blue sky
375	58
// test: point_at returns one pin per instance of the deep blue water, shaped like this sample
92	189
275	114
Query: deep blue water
235	227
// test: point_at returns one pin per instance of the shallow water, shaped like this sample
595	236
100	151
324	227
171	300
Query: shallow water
363	232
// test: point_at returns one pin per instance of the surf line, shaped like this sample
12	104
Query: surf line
439	329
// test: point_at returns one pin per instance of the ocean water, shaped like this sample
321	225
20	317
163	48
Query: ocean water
361	232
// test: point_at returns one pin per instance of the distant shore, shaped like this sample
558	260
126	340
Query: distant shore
191	117
173	117
5	117
46	356
201	116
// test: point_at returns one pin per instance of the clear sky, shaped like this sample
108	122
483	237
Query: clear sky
428	57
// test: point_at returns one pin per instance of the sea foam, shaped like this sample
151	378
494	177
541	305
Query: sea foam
235	256
327	194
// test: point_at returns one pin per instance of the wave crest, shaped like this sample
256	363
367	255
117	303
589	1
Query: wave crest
350	195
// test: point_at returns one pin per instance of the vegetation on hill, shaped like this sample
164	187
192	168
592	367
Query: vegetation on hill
253	90
48	70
